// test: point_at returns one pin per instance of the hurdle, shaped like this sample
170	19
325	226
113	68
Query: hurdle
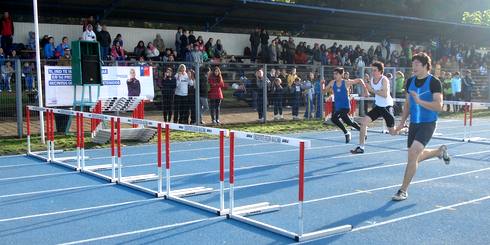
117	166
240	213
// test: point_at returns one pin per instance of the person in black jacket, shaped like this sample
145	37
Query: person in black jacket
168	91
254	43
104	39
203	91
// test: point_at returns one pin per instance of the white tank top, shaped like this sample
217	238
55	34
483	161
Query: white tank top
380	100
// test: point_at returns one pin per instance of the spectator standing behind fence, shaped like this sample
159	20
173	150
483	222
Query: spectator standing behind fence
89	34
296	97
215	96
104	38
254	43
27	74
191	97
291	78
456	89
203	91
181	108
318	98
196	55
192	38
447	88
308	89
7	71
276	94
468	84
7	32
259	82
168	91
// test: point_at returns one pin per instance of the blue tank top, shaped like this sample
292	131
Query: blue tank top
341	96
419	114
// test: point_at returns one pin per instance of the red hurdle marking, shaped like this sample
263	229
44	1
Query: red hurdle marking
221	156
28	121
113	153
119	137
232	157
301	171
167	146
159	146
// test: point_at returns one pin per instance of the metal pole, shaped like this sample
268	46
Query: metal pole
197	94
361	102
18	97
38	72
322	99
264	94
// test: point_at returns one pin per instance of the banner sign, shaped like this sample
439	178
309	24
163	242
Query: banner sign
118	81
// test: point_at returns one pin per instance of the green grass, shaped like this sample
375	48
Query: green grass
10	146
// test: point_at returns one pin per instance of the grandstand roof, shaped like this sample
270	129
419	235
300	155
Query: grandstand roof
216	15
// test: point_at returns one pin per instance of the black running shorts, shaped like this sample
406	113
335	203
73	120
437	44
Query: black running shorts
387	113
421	132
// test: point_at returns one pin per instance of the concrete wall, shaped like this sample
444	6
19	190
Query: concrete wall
233	43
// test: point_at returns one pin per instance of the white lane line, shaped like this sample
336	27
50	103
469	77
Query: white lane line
387	187
39	175
16	155
57	190
79	210
442	208
21	165
163	227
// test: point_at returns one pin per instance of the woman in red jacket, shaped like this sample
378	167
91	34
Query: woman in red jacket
215	94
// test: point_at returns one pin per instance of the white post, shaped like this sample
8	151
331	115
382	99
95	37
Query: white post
83	158
168	181
119	169
113	167
221	196
300	219
38	72
28	144
160	180
232	198
78	157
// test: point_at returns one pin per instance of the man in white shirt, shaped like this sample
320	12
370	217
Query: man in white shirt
89	34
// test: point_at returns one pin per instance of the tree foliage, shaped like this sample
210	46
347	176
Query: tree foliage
477	17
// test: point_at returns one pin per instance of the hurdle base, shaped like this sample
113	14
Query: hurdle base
139	178
100	167
44	152
253	209
62	159
283	232
324	233
201	190
191	203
